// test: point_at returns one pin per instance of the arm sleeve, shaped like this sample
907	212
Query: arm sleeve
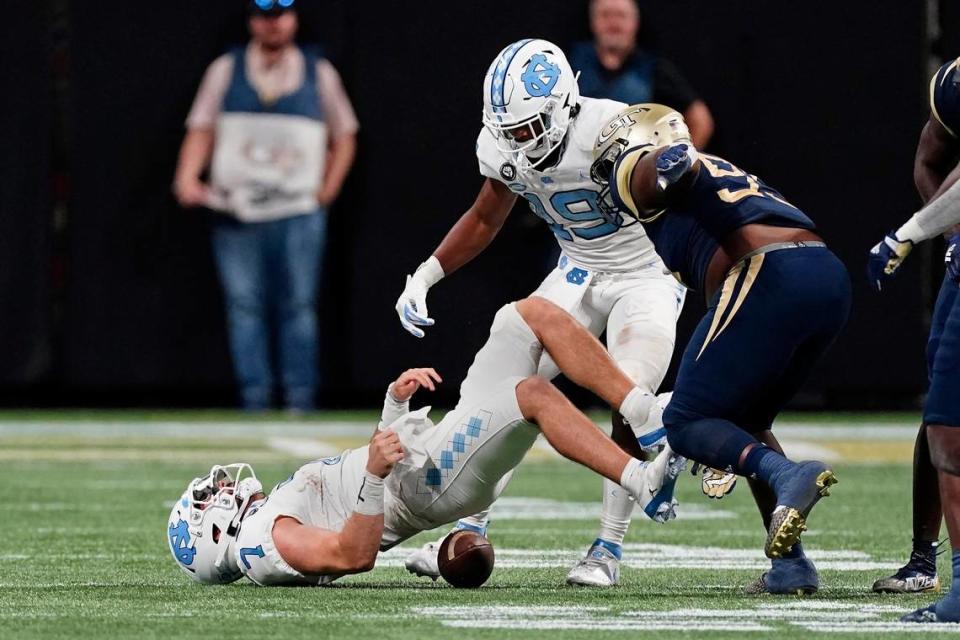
392	411
671	88
209	101
945	97
935	218
341	117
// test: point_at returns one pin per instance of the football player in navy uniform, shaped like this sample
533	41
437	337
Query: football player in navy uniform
777	300
938	444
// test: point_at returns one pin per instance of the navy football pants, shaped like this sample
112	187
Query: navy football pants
776	314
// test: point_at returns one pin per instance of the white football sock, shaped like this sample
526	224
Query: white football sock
477	521
636	407
615	517
633	478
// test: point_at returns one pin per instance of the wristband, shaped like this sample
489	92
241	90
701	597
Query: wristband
911	232
370	497
430	272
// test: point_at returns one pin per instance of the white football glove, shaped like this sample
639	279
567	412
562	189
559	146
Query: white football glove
412	304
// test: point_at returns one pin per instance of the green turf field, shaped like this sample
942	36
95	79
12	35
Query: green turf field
86	496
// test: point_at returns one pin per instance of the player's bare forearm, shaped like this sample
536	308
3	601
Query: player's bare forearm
476	228
360	542
644	189
935	157
314	551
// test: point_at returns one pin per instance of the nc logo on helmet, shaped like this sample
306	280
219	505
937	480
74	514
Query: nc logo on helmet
540	76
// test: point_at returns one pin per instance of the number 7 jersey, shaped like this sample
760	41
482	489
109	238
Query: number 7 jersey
566	198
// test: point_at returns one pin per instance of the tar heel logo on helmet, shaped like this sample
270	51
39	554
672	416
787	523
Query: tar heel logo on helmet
183	551
540	76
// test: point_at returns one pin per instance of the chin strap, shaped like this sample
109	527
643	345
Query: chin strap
246	489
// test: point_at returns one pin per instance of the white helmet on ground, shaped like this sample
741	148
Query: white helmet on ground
530	95
205	521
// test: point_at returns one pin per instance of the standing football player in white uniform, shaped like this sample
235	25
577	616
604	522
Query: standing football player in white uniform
537	143
332	516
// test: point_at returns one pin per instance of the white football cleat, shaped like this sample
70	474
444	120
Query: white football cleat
599	568
423	561
652	485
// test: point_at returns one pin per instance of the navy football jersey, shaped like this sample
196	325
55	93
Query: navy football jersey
945	97
721	199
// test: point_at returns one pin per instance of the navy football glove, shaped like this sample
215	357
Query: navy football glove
952	258
885	259
673	163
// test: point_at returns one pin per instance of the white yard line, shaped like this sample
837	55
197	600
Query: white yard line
823	616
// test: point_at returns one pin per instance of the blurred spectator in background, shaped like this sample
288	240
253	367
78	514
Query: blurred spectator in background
281	134
612	66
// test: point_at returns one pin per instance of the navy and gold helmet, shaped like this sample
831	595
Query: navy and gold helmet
637	126
640	125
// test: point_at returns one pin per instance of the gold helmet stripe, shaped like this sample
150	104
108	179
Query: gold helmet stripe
625	167
933	89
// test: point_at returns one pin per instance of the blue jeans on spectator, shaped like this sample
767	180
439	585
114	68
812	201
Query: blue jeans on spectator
270	273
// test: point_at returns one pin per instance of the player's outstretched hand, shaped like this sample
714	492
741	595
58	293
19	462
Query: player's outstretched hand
715	482
673	162
952	258
412	307
385	452
885	259
410	381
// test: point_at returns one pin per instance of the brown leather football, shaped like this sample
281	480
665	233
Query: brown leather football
465	559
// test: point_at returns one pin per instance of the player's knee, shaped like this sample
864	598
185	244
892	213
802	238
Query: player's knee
533	394
643	357
537	311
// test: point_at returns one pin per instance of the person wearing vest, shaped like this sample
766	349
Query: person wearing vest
275	128
613	67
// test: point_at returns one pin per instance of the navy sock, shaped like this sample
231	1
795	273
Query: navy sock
793	554
766	464
955	584
711	441
948	609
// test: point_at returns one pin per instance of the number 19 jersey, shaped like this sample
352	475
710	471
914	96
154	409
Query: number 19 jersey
566	198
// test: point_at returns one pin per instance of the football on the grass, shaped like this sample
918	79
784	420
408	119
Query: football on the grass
466	559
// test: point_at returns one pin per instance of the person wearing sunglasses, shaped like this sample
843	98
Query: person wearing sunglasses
275	127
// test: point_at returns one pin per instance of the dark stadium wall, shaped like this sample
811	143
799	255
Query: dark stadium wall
26	267
803	97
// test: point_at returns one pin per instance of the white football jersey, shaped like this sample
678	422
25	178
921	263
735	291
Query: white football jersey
566	198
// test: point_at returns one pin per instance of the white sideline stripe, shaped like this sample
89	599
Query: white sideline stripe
846	431
603	625
792	430
522	508
303	448
880	627
644	556
806	450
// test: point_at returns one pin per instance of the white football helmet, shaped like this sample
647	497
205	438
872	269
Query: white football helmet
530	95
205	521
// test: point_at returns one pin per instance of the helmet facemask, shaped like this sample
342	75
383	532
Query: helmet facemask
641	127
530	99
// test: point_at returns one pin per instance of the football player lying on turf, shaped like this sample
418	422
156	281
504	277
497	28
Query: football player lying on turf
332	516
